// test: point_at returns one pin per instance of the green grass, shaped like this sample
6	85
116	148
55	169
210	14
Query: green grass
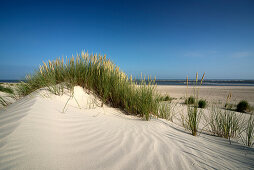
3	102
192	120
230	106
242	106
165	98
190	100
248	132
100	75
224	123
166	111
202	103
6	89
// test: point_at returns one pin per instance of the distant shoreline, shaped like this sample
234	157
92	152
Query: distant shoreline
10	81
182	82
207	82
211	82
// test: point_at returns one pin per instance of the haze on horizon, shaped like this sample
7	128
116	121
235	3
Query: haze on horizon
166	39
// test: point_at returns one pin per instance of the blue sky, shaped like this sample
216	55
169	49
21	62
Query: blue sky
169	39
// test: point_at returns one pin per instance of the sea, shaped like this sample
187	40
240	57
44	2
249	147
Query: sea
182	82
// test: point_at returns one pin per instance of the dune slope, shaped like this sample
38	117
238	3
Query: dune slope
35	133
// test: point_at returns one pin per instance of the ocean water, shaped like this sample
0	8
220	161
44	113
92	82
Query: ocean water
182	82
10	81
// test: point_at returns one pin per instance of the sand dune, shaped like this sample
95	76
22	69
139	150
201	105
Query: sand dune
35	133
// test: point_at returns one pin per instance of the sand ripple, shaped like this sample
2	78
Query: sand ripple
35	134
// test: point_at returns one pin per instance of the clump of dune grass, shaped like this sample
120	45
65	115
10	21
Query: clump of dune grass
190	100
3	101
165	98
6	89
242	106
228	105
224	123
247	134
202	103
100	75
166	111
192	120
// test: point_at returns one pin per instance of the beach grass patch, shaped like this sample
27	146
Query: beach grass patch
248	132
6	89
242	106
100	75
166	111
202	103
190	100
192	120
224	123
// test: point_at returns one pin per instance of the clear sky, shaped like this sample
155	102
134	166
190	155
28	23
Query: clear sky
169	39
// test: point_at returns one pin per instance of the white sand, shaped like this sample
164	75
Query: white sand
212	93
36	134
7	98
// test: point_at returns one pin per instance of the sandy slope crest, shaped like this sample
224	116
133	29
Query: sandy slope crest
36	134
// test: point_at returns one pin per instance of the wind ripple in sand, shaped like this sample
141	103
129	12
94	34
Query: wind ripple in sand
36	135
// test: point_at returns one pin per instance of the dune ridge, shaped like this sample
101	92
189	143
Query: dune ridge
36	134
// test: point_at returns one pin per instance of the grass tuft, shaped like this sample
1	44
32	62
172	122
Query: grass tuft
224	123
202	103
242	106
190	100
100	75
166	111
165	98
6	89
192	120
3	102
249	132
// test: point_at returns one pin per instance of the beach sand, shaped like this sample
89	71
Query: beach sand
212	93
35	133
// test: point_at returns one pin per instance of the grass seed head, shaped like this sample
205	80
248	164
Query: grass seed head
202	79
196	77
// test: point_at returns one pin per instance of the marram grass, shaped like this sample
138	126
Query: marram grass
192	119
100	75
248	136
224	123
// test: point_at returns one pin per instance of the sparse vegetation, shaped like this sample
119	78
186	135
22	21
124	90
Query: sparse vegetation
229	106
202	103
166	111
112	86
6	89
242	106
165	98
248	136
100	75
224	123
3	102
10	95
192	120
190	100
